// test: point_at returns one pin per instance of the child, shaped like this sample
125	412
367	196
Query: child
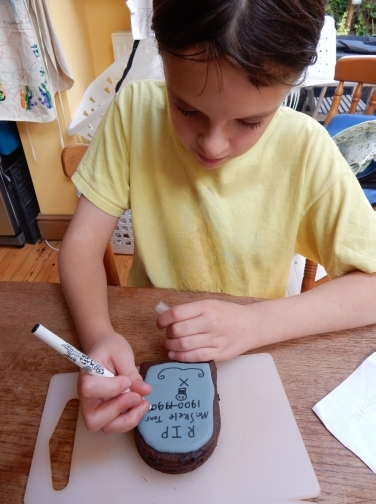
224	186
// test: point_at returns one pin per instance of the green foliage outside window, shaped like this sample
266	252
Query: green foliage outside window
337	8
363	20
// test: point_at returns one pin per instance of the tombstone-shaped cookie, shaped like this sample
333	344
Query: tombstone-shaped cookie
181	430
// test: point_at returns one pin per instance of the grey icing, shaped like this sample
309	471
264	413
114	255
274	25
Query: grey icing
181	418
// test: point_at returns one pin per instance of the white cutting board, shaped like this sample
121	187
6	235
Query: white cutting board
260	455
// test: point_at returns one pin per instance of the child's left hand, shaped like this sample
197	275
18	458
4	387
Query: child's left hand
207	330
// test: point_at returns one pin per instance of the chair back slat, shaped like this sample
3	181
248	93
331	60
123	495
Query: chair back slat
357	69
71	157
372	103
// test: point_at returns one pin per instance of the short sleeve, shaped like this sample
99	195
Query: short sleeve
103	174
339	229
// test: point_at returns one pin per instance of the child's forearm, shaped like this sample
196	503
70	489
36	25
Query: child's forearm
344	303
212	329
83	281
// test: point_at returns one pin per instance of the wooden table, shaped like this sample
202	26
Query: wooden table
309	369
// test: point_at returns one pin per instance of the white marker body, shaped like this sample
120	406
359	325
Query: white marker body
80	359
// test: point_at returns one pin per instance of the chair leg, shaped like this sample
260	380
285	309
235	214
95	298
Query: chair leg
110	267
309	276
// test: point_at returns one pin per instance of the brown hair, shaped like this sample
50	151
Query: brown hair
270	40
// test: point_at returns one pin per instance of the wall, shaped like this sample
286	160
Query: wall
104	18
84	29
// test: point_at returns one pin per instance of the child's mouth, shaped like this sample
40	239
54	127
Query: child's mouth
210	161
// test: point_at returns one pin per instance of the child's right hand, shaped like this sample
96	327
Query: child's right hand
105	404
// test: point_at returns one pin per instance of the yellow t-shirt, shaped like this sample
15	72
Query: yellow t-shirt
233	229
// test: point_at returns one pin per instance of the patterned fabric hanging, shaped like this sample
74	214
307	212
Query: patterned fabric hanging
26	91
358	146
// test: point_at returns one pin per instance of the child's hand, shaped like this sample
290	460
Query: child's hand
207	330
105	403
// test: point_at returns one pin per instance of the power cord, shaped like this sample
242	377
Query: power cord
48	244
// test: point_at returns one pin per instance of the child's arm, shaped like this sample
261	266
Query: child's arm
220	330
83	280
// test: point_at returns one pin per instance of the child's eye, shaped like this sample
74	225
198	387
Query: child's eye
186	113
249	125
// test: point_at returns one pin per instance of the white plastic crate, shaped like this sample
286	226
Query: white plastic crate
147	64
122	239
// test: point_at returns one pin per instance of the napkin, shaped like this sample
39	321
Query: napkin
349	412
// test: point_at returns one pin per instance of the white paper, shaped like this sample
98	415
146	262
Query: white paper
349	412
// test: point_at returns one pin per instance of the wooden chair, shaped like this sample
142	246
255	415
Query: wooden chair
360	70
70	159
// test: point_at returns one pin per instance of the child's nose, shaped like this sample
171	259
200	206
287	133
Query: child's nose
214	142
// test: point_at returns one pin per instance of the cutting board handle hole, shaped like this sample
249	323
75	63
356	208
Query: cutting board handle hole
61	445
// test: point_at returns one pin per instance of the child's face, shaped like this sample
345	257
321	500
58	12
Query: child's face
217	119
